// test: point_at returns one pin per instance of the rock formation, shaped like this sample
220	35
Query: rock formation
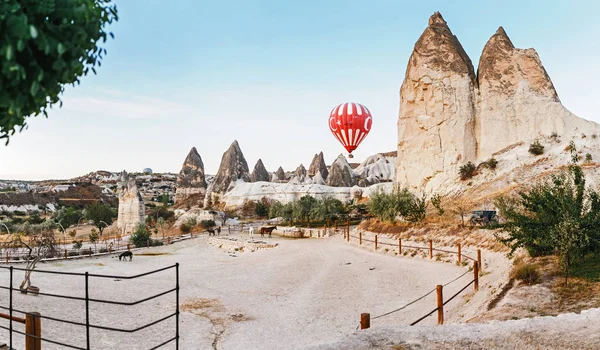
233	167
340	173
449	116
280	174
301	172
436	126
131	205
191	179
517	100
318	164
260	173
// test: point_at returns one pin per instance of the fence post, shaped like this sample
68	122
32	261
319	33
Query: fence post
399	246
348	235
33	331
128	247
479	260
359	237
87	310
10	308
476	275
440	304
459	257
430	249
66	254
365	321
148	244
7	256
375	242
335	223
177	306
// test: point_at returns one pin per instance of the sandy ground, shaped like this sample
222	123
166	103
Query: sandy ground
299	294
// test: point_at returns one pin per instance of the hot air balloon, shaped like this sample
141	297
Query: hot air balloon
350	123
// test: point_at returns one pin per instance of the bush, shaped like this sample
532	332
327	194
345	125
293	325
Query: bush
588	158
536	148
528	273
156	243
436	201
206	224
73	253
185	228
386	206
141	236
467	171
103	250
492	163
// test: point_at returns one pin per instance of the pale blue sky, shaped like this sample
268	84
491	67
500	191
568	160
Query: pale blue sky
183	73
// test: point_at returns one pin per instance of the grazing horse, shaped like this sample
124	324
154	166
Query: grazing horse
267	229
124	255
211	231
251	233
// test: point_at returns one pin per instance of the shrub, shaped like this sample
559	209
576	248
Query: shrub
588	158
141	236
528	273
467	171
156	243
73	253
492	163
185	228
536	148
436	201
206	224
103	250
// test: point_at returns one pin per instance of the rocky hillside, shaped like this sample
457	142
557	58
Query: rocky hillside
450	115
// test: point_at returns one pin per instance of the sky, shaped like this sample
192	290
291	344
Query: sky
184	73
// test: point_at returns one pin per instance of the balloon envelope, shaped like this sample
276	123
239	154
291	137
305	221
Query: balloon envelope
350	123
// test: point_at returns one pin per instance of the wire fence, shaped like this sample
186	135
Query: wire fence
366	318
37	338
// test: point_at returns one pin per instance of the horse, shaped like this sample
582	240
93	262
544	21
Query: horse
211	231
267	229
126	254
219	230
251	233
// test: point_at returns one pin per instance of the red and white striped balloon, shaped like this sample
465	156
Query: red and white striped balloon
350	123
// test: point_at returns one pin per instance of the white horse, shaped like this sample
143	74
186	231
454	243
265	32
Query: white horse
251	232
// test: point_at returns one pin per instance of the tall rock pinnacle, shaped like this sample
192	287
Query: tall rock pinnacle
260	173
318	164
233	167
436	125
191	179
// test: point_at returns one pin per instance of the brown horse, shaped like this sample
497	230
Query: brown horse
267	229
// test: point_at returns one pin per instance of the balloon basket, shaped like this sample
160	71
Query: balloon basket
350	155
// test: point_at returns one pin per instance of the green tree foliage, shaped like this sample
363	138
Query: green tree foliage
67	216
588	158
328	208
536	148
102	215
207	224
141	236
261	209
436	201
304	207
400	202
467	171
94	236
559	215
44	45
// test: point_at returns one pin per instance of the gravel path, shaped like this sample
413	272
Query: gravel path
299	294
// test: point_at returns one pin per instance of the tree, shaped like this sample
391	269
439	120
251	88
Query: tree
436	201
387	206
94	237
67	216
102	215
303	207
559	215
41	245
328	208
141	236
45	45
161	225
207	224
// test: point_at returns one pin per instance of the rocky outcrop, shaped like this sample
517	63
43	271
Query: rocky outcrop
517	100
300	172
131	205
340	173
436	126
233	167
448	116
191	179
318	165
280	173
260	173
